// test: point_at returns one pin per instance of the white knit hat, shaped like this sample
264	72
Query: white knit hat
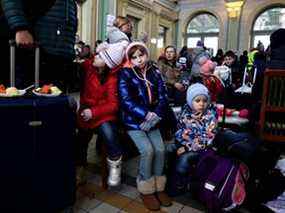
112	54
136	43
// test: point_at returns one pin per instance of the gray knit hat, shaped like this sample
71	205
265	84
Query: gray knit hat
195	90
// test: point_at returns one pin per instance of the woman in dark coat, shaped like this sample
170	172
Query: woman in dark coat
52	23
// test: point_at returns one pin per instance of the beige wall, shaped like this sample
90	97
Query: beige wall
243	25
151	14
88	22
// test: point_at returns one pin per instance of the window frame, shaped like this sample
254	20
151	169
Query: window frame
201	34
262	32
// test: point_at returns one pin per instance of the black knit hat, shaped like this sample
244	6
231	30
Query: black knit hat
277	38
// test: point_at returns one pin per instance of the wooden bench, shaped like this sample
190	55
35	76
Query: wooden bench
272	113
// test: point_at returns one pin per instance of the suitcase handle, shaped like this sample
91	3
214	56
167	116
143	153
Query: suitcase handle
12	63
35	123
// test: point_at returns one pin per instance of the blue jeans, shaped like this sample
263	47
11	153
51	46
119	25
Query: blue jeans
108	132
152	150
185	161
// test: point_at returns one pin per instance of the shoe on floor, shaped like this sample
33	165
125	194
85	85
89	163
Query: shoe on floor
150	202
164	199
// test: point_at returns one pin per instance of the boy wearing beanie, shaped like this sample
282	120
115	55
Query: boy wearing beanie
99	106
196	128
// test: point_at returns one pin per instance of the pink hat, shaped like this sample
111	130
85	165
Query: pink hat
112	54
207	66
136	43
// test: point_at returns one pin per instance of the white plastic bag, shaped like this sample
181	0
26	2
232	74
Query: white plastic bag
224	74
246	87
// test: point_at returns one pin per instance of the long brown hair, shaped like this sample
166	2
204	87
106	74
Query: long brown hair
134	49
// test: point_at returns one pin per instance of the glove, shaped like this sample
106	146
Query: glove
145	126
154	119
149	116
151	119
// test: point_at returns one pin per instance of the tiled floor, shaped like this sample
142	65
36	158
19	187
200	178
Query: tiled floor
92	198
124	198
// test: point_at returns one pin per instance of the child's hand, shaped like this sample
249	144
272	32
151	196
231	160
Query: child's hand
86	114
181	150
185	135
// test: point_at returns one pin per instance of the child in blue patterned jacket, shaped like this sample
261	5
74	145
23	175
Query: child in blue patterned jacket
196	128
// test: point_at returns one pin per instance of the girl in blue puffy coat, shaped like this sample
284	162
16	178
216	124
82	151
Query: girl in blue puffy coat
143	102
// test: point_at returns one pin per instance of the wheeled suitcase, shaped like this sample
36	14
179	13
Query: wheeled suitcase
36	154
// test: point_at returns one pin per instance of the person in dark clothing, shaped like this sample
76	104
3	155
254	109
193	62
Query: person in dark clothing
243	59
277	50
219	58
276	61
51	23
172	75
185	54
86	52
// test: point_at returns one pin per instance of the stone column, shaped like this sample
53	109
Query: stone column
153	33
234	11
102	14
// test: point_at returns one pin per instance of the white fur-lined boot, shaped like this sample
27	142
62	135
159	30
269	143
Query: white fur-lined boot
115	170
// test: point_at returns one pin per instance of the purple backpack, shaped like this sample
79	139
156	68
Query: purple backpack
221	181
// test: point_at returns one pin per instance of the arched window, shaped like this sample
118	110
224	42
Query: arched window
203	27
266	23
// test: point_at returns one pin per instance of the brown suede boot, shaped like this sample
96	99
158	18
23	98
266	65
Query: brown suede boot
150	202
147	190
162	197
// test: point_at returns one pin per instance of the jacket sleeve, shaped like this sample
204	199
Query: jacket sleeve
162	97
183	131
165	72
112	101
180	141
126	100
14	12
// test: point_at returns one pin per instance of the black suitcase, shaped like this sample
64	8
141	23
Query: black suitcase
36	154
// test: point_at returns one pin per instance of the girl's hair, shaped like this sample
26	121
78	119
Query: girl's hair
120	21
133	49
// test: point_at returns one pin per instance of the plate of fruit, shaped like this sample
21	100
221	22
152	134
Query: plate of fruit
47	90
10	92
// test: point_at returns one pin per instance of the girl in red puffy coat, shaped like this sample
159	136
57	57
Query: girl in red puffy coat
99	107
